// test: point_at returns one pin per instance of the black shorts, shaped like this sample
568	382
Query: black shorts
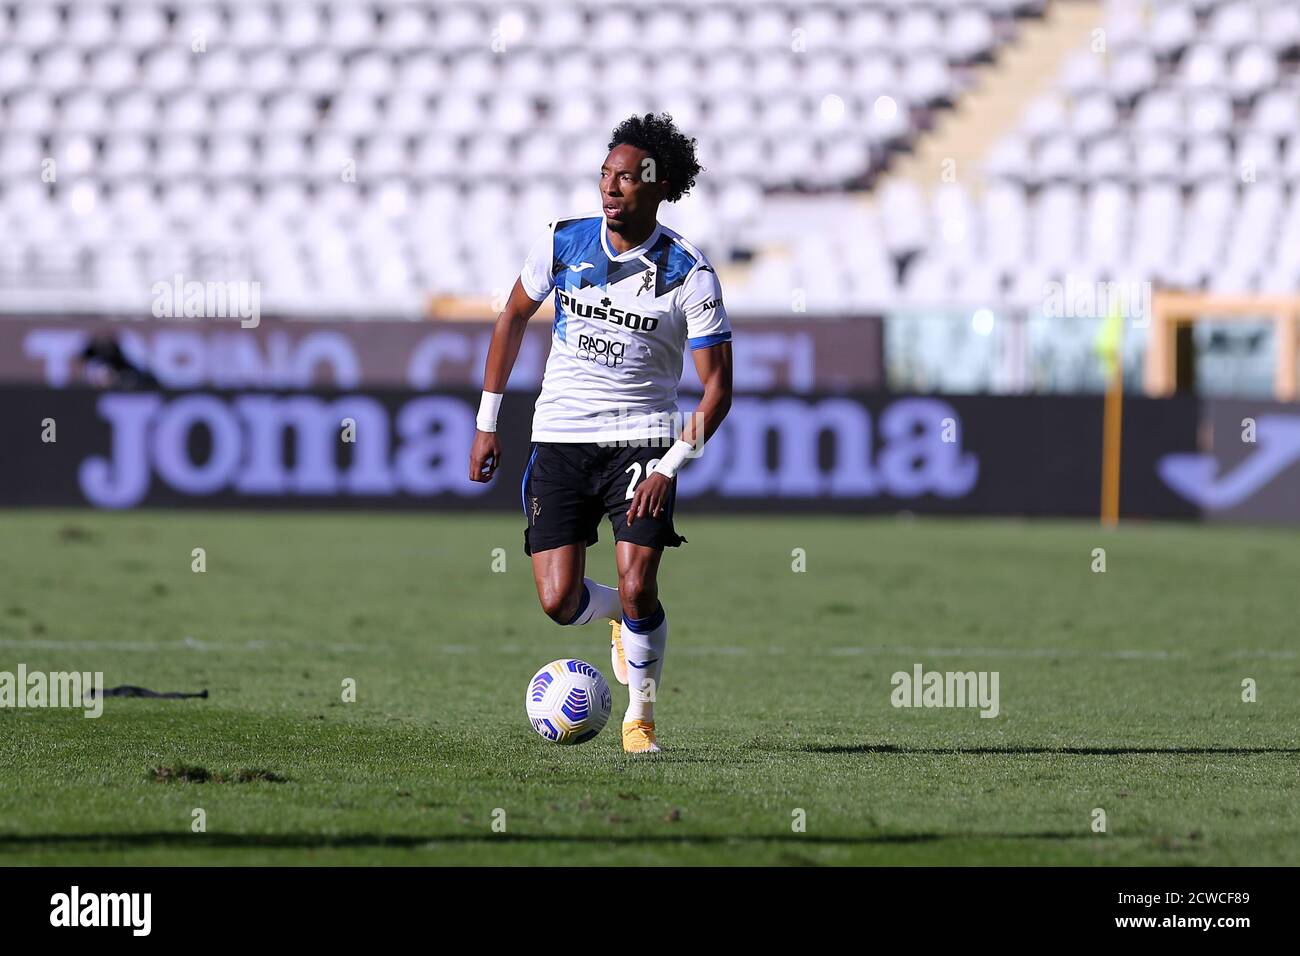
569	487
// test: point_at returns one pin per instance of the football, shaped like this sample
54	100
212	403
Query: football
568	701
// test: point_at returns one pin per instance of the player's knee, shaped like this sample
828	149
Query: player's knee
640	594
560	604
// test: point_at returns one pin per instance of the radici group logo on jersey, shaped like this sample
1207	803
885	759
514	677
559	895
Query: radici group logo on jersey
602	351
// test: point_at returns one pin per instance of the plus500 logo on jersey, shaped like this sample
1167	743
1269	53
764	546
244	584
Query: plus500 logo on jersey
602	351
602	313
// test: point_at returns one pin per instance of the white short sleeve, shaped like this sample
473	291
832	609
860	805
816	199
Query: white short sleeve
536	277
701	302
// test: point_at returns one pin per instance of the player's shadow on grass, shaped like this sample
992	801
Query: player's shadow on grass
1082	751
110	842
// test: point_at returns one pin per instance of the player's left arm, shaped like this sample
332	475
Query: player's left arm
709	337
714	367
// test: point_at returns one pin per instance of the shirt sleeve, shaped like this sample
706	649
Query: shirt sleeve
537	276
701	302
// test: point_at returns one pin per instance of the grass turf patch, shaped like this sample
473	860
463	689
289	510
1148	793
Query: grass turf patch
1120	691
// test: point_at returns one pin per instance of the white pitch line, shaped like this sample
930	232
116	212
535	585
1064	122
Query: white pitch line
1021	652
699	650
184	644
1046	652
1038	652
1032	652
50	644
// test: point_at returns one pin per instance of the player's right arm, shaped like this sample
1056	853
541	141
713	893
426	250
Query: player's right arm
507	335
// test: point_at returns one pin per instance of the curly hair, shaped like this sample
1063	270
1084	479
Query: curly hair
672	150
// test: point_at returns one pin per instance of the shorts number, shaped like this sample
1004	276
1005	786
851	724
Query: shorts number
635	471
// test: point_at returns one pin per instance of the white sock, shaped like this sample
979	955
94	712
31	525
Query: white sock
599	603
645	641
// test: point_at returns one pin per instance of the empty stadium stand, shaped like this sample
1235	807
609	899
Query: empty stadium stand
364	156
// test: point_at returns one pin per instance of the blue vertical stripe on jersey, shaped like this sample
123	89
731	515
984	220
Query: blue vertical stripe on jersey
673	264
560	325
523	485
575	241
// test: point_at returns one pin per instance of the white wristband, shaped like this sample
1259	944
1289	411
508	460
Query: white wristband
487	411
670	462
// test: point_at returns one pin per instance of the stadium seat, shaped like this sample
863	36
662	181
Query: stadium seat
263	107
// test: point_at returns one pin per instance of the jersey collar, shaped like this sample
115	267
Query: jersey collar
633	253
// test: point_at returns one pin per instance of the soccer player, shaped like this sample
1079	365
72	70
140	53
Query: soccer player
631	296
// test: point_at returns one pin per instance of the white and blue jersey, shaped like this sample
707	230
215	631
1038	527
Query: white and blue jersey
622	325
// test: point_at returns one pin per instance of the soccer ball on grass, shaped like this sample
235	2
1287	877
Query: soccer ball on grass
568	701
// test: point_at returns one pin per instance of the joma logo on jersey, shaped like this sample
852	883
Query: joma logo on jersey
603	313
602	351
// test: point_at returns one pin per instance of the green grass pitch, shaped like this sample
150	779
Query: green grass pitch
1119	690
